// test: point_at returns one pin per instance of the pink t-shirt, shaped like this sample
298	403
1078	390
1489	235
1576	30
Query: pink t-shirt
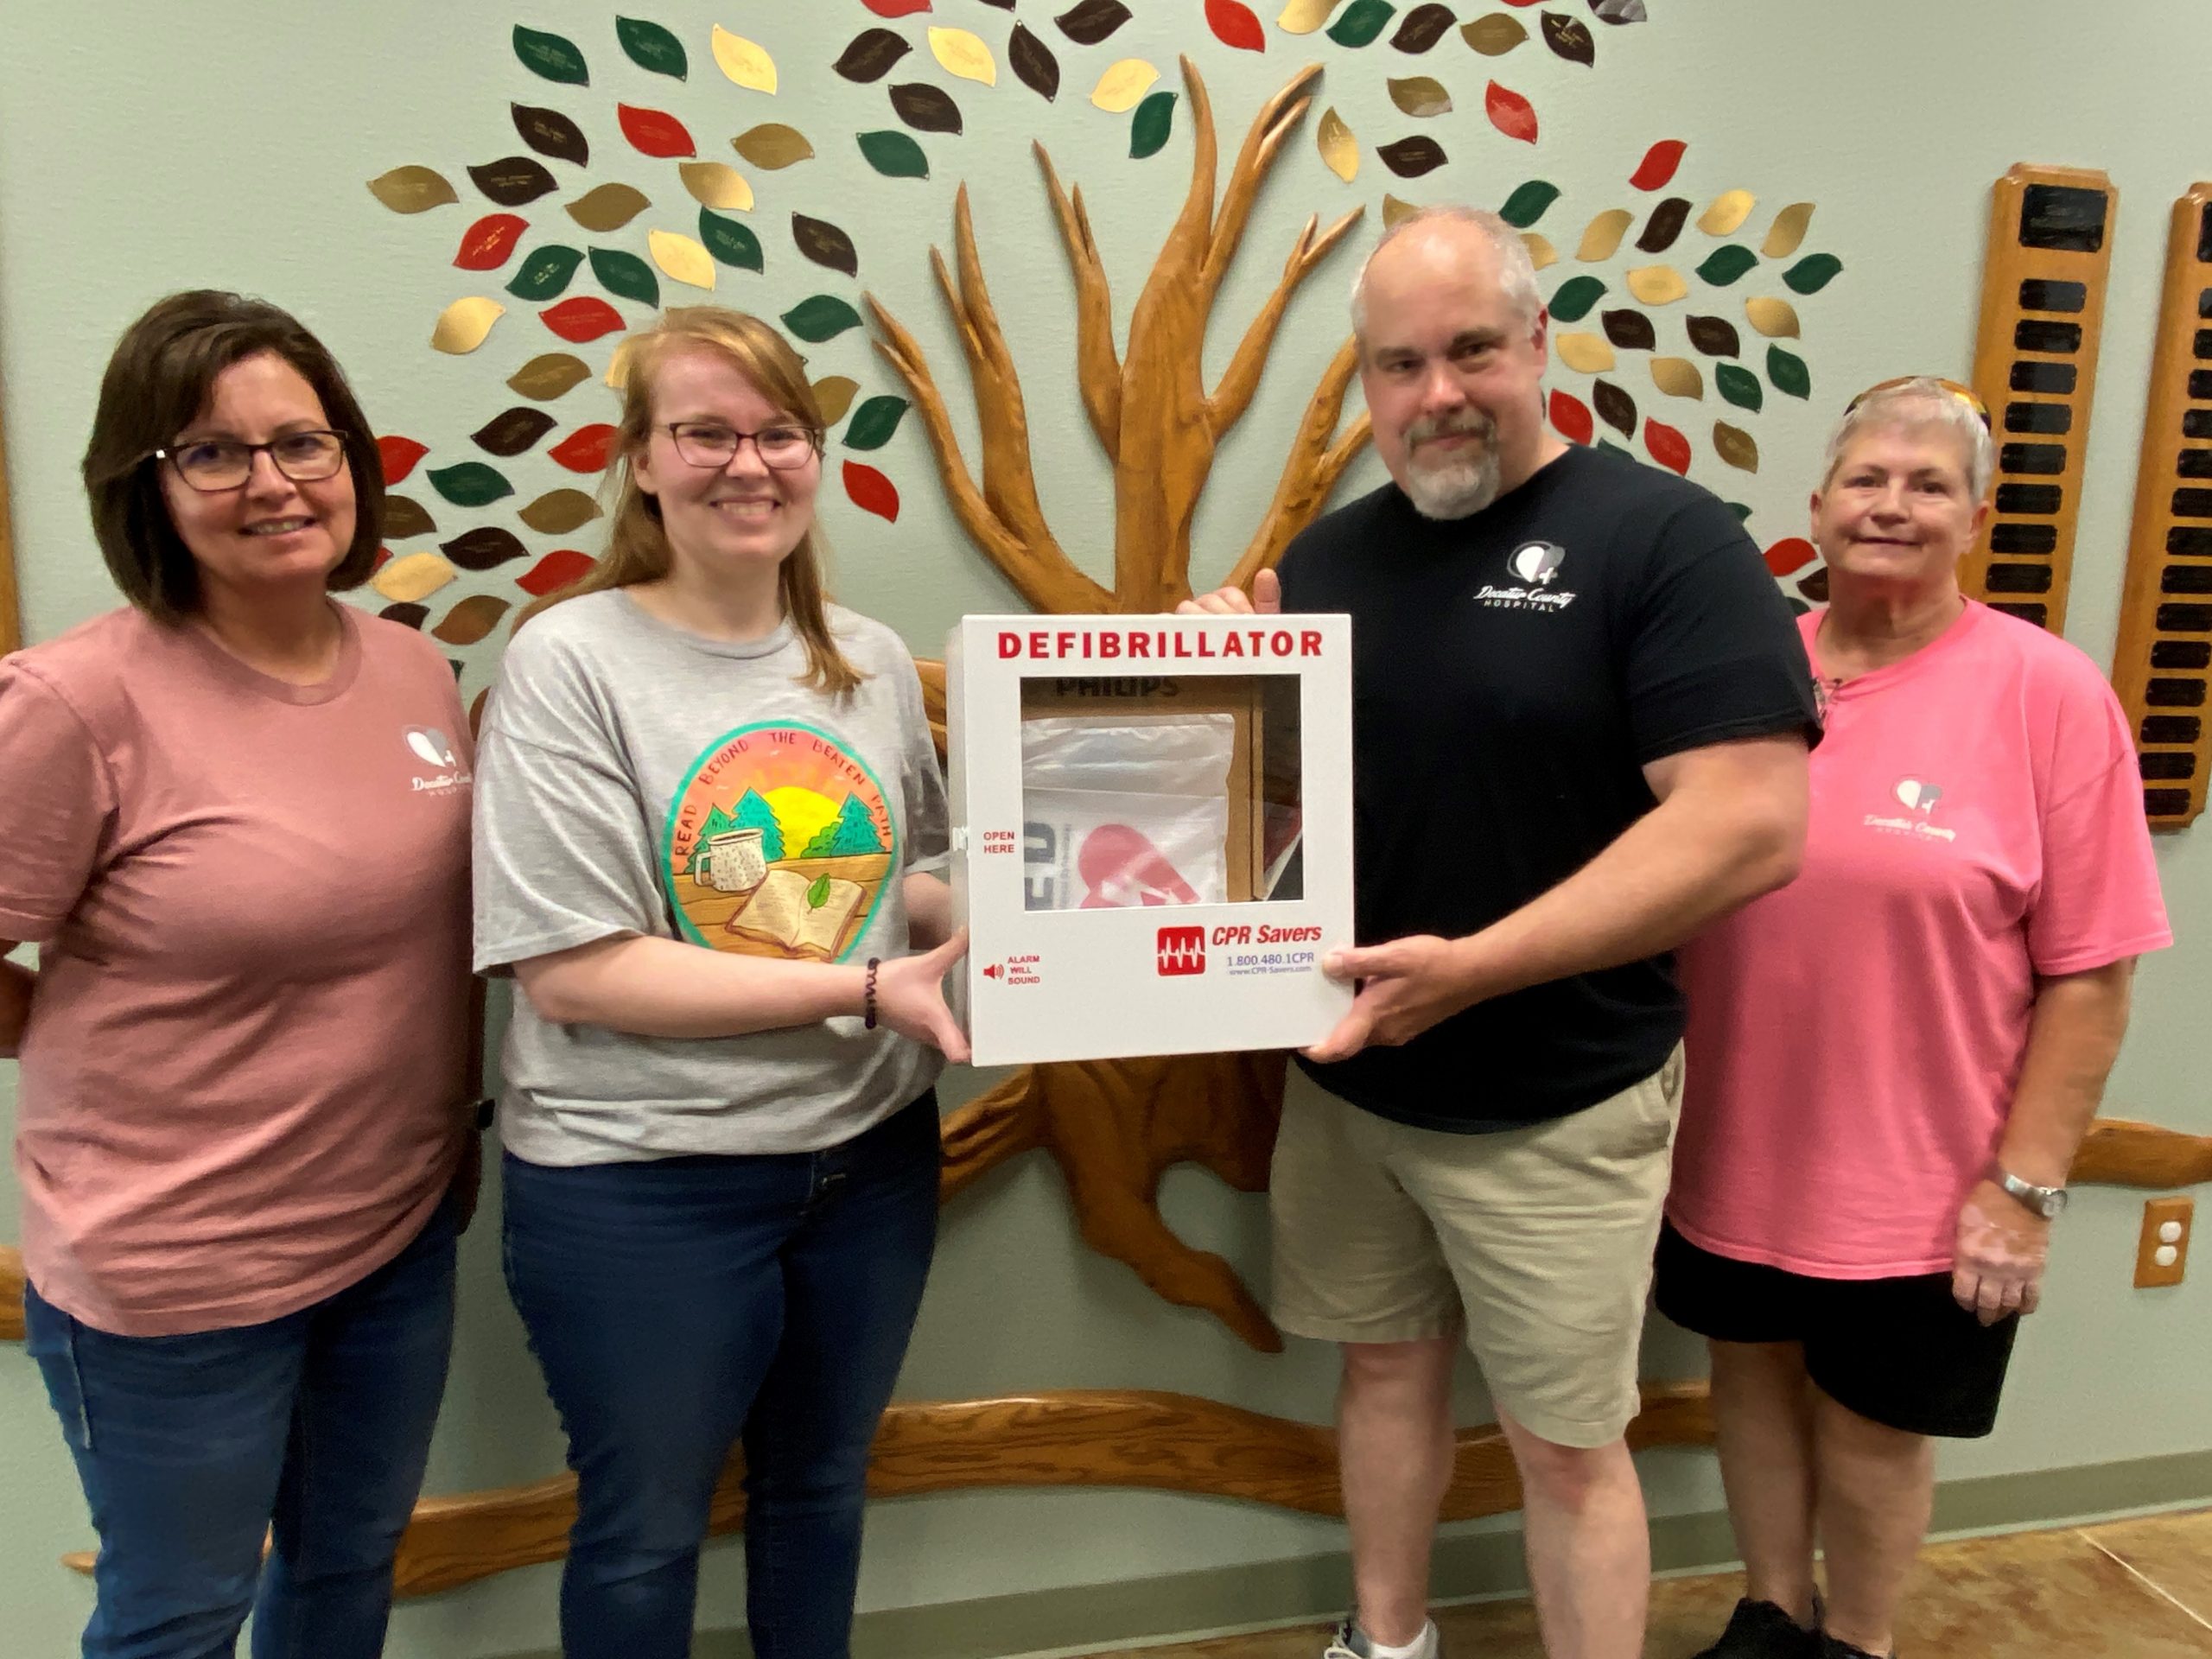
242	1081
1854	1038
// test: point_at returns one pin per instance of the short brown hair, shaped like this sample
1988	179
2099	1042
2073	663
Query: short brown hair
637	546
157	383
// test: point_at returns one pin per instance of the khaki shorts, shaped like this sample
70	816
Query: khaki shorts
1538	1240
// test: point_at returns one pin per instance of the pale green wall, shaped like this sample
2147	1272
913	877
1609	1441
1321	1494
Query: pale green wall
145	147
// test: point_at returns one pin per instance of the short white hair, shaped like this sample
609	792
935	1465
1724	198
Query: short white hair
1919	402
1516	272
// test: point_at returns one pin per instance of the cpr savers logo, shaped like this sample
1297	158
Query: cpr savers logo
1537	564
777	844
1182	950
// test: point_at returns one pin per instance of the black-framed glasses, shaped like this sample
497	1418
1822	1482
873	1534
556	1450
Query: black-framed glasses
218	464
710	443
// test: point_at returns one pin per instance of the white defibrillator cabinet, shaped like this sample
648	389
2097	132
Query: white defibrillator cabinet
1152	831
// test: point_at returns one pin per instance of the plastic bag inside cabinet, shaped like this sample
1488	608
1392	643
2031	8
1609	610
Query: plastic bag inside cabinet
1125	810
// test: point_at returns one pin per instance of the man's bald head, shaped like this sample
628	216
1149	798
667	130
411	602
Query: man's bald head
1448	236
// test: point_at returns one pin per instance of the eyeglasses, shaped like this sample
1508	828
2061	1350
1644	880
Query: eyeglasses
1965	395
709	443
218	464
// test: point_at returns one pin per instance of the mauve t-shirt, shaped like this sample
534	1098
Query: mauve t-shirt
1855	1037
242	1079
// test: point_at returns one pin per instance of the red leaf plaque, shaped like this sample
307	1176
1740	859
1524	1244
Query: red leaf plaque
556	570
1571	418
871	490
586	317
1233	24
485	244
398	455
585	449
1668	447
655	132
1510	113
1658	164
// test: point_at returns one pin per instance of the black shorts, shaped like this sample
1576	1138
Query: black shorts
1899	1351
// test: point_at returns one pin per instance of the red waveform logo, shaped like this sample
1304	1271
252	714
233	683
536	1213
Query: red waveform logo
1182	950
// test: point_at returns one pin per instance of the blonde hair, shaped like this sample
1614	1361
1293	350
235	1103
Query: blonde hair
637	544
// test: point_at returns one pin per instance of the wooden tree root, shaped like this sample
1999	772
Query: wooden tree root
1135	1439
11	1294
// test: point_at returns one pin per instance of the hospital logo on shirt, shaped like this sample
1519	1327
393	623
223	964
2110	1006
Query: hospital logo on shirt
1537	562
1537	565
434	749
1919	798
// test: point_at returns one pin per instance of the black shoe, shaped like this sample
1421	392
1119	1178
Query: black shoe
1759	1629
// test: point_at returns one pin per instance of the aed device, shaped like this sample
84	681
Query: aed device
1151	832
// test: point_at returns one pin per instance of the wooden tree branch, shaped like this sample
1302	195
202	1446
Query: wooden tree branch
1001	1124
1183	258
931	671
1310	472
1009	480
1276	119
2122	1153
1099	369
1234	395
1044	575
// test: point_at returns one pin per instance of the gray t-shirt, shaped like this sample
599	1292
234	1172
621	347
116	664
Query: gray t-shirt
632	778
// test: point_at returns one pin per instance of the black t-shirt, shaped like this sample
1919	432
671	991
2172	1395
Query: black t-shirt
1512	672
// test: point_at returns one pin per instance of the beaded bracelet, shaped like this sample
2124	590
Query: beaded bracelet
867	995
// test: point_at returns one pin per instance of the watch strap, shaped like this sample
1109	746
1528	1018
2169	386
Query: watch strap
2045	1201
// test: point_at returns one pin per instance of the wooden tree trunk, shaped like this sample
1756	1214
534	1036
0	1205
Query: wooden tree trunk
1114	1128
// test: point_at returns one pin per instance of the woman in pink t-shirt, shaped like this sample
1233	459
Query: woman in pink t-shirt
1893	1060
237	821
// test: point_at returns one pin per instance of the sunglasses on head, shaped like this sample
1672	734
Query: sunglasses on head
1965	395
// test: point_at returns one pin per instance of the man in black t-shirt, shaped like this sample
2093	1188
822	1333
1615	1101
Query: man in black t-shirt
1580	715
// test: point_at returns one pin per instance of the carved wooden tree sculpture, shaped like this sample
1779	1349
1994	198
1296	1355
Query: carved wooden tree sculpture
1114	1128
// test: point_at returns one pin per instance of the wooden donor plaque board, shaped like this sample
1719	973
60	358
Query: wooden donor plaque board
2164	657
2034	363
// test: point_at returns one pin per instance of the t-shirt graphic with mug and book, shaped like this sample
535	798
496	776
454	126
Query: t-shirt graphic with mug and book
779	843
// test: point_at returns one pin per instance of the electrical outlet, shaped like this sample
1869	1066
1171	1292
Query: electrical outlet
2162	1251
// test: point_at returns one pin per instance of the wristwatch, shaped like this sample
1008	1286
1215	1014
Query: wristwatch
2045	1201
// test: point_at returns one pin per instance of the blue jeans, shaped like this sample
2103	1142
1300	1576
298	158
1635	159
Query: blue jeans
314	1428
681	1304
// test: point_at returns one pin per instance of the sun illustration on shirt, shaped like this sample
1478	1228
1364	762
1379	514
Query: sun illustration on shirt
777	844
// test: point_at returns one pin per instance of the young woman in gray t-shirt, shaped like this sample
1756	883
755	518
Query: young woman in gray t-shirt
708	813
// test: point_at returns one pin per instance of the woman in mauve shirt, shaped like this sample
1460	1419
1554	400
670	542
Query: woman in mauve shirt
1892	1061
237	817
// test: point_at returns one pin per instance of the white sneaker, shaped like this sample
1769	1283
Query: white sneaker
1351	1643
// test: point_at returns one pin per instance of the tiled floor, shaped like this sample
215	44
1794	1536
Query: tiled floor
2126	1590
